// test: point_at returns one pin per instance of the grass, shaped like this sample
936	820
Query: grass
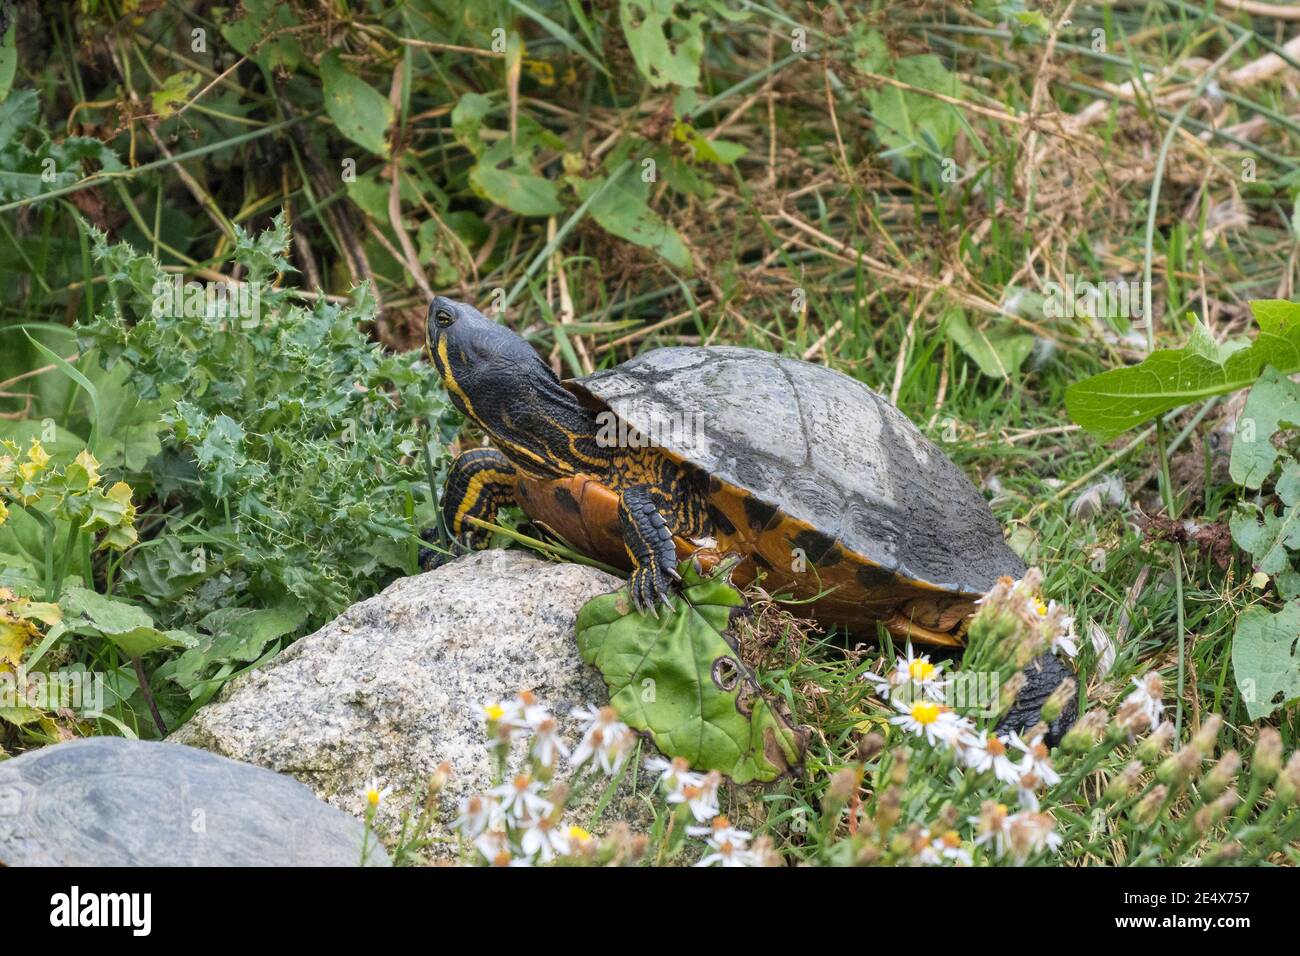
1183	177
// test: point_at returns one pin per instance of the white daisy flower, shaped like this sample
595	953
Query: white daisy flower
942	849
674	775
925	678
988	752
701	797
1036	760
520	799
544	839
546	745
494	846
728	845
992	826
1146	695
925	718
477	813
605	738
1029	833
374	792
525	709
1027	790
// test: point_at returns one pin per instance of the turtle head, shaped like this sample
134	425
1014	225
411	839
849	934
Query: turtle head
481	362
496	378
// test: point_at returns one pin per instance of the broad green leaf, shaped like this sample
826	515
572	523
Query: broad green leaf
20	715
467	120
126	625
173	92
679	678
239	634
261	34
1265	658
666	43
622	211
1273	402
129	426
521	192
1112	402
359	112
8	59
1267	536
913	124
997	352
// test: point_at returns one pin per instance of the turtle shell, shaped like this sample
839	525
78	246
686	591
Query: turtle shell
820	448
106	801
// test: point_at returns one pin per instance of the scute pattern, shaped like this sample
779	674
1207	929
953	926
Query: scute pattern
821	447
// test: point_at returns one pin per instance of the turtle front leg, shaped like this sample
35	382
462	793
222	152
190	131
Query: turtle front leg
649	542
479	484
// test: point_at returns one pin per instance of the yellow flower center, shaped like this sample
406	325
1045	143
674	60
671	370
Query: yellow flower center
372	797
920	670
1040	607
925	712
494	711
579	834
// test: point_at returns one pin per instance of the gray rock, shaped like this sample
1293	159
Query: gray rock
395	686
107	801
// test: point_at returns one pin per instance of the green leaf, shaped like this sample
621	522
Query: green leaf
261	34
359	112
521	192
997	352
910	124
129	425
1265	658
1272	403
126	625
1112	402
622	211
665	43
8	59
679	678
175	90
239	634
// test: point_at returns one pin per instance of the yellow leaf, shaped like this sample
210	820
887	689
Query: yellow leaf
88	461
14	635
37	454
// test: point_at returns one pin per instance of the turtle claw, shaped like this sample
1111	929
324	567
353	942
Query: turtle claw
441	548
650	588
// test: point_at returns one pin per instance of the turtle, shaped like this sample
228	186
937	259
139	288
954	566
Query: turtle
108	801
814	481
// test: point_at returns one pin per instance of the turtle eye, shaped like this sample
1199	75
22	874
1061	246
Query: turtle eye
444	318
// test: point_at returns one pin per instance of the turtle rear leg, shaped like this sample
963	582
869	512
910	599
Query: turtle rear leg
649	543
479	484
